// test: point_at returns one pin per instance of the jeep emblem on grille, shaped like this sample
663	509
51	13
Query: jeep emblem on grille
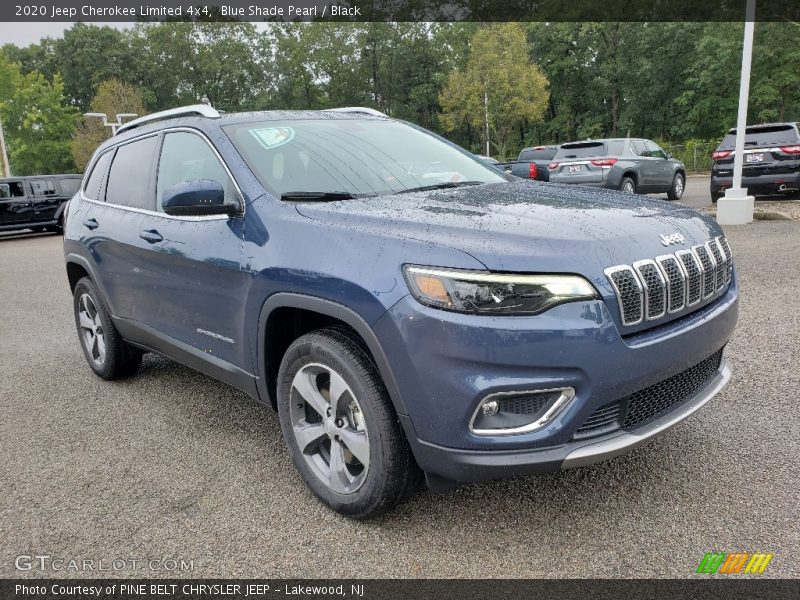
668	240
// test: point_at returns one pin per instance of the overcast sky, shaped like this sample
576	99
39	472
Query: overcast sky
25	34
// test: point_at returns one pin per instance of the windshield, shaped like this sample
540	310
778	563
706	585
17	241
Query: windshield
763	136
357	157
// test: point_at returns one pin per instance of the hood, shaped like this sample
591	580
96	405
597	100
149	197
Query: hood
527	226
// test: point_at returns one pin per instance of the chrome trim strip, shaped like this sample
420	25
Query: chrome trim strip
705	293
660	260
609	448
567	394
637	267
718	266
610	271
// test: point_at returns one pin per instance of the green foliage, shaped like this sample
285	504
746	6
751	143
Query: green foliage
500	76
38	126
548	82
113	97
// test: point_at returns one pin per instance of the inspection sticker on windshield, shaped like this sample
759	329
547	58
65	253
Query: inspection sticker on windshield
272	137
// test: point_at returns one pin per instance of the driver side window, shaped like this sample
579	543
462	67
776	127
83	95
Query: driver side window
655	151
187	157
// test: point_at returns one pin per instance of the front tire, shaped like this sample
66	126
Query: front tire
678	185
106	352
340	427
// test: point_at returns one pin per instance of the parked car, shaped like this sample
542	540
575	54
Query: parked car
405	308
626	164
771	160
35	203
531	163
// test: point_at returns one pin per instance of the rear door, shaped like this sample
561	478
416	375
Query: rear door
662	167
16	204
647	171
45	198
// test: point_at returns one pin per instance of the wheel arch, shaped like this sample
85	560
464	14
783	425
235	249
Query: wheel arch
321	312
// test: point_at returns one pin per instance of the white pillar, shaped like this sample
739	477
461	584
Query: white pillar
736	207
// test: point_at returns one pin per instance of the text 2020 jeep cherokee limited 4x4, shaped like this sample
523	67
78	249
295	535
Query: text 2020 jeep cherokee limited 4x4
405	308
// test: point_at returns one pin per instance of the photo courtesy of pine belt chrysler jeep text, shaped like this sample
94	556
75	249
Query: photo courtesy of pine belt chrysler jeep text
413	314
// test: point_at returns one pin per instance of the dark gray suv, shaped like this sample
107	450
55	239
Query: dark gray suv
627	164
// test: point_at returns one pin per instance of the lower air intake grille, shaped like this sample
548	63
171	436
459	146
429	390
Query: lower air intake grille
652	402
527	405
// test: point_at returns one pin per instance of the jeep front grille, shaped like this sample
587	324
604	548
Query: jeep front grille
651	288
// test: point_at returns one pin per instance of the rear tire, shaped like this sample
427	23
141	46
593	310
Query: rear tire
340	426
678	185
106	352
715	196
628	185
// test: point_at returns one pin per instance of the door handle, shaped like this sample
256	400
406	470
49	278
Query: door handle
91	223
151	236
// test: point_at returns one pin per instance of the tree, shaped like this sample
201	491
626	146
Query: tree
113	97
38	126
9	81
498	68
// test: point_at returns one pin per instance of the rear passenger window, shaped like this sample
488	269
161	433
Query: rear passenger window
43	187
69	185
188	157
12	189
92	189
129	178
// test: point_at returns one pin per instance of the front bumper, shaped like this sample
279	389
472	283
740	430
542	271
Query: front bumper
480	465
444	364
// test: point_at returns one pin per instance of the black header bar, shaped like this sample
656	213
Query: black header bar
395	10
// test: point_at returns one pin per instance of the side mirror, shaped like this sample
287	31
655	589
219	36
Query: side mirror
196	199
667	155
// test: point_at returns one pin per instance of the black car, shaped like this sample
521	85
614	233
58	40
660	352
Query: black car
36	203
627	164
531	163
771	160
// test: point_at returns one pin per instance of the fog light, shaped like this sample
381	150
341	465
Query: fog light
490	408
509	413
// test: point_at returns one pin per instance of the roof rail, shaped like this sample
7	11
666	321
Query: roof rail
357	109
201	110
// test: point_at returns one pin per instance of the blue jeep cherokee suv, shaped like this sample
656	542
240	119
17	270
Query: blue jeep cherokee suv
408	310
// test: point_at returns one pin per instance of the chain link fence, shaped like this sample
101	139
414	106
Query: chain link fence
695	154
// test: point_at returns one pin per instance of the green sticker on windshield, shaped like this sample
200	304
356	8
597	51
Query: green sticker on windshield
272	137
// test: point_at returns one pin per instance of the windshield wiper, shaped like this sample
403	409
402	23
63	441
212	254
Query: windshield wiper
317	196
440	186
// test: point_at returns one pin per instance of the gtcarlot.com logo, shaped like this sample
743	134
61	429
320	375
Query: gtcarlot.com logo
45	562
734	563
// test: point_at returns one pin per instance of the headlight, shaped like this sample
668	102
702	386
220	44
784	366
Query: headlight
495	293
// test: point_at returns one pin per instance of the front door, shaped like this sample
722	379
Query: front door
194	263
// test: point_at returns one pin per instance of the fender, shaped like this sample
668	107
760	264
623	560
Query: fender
330	309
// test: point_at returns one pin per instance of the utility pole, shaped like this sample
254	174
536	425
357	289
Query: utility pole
486	120
4	153
113	125
736	207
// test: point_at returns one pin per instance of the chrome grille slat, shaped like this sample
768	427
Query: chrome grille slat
694	276
716	254
629	292
654	288
675	277
671	283
709	269
726	250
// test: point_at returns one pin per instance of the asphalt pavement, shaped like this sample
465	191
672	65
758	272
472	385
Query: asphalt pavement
175	466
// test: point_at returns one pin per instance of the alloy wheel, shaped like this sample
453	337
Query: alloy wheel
92	334
678	188
330	428
628	187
